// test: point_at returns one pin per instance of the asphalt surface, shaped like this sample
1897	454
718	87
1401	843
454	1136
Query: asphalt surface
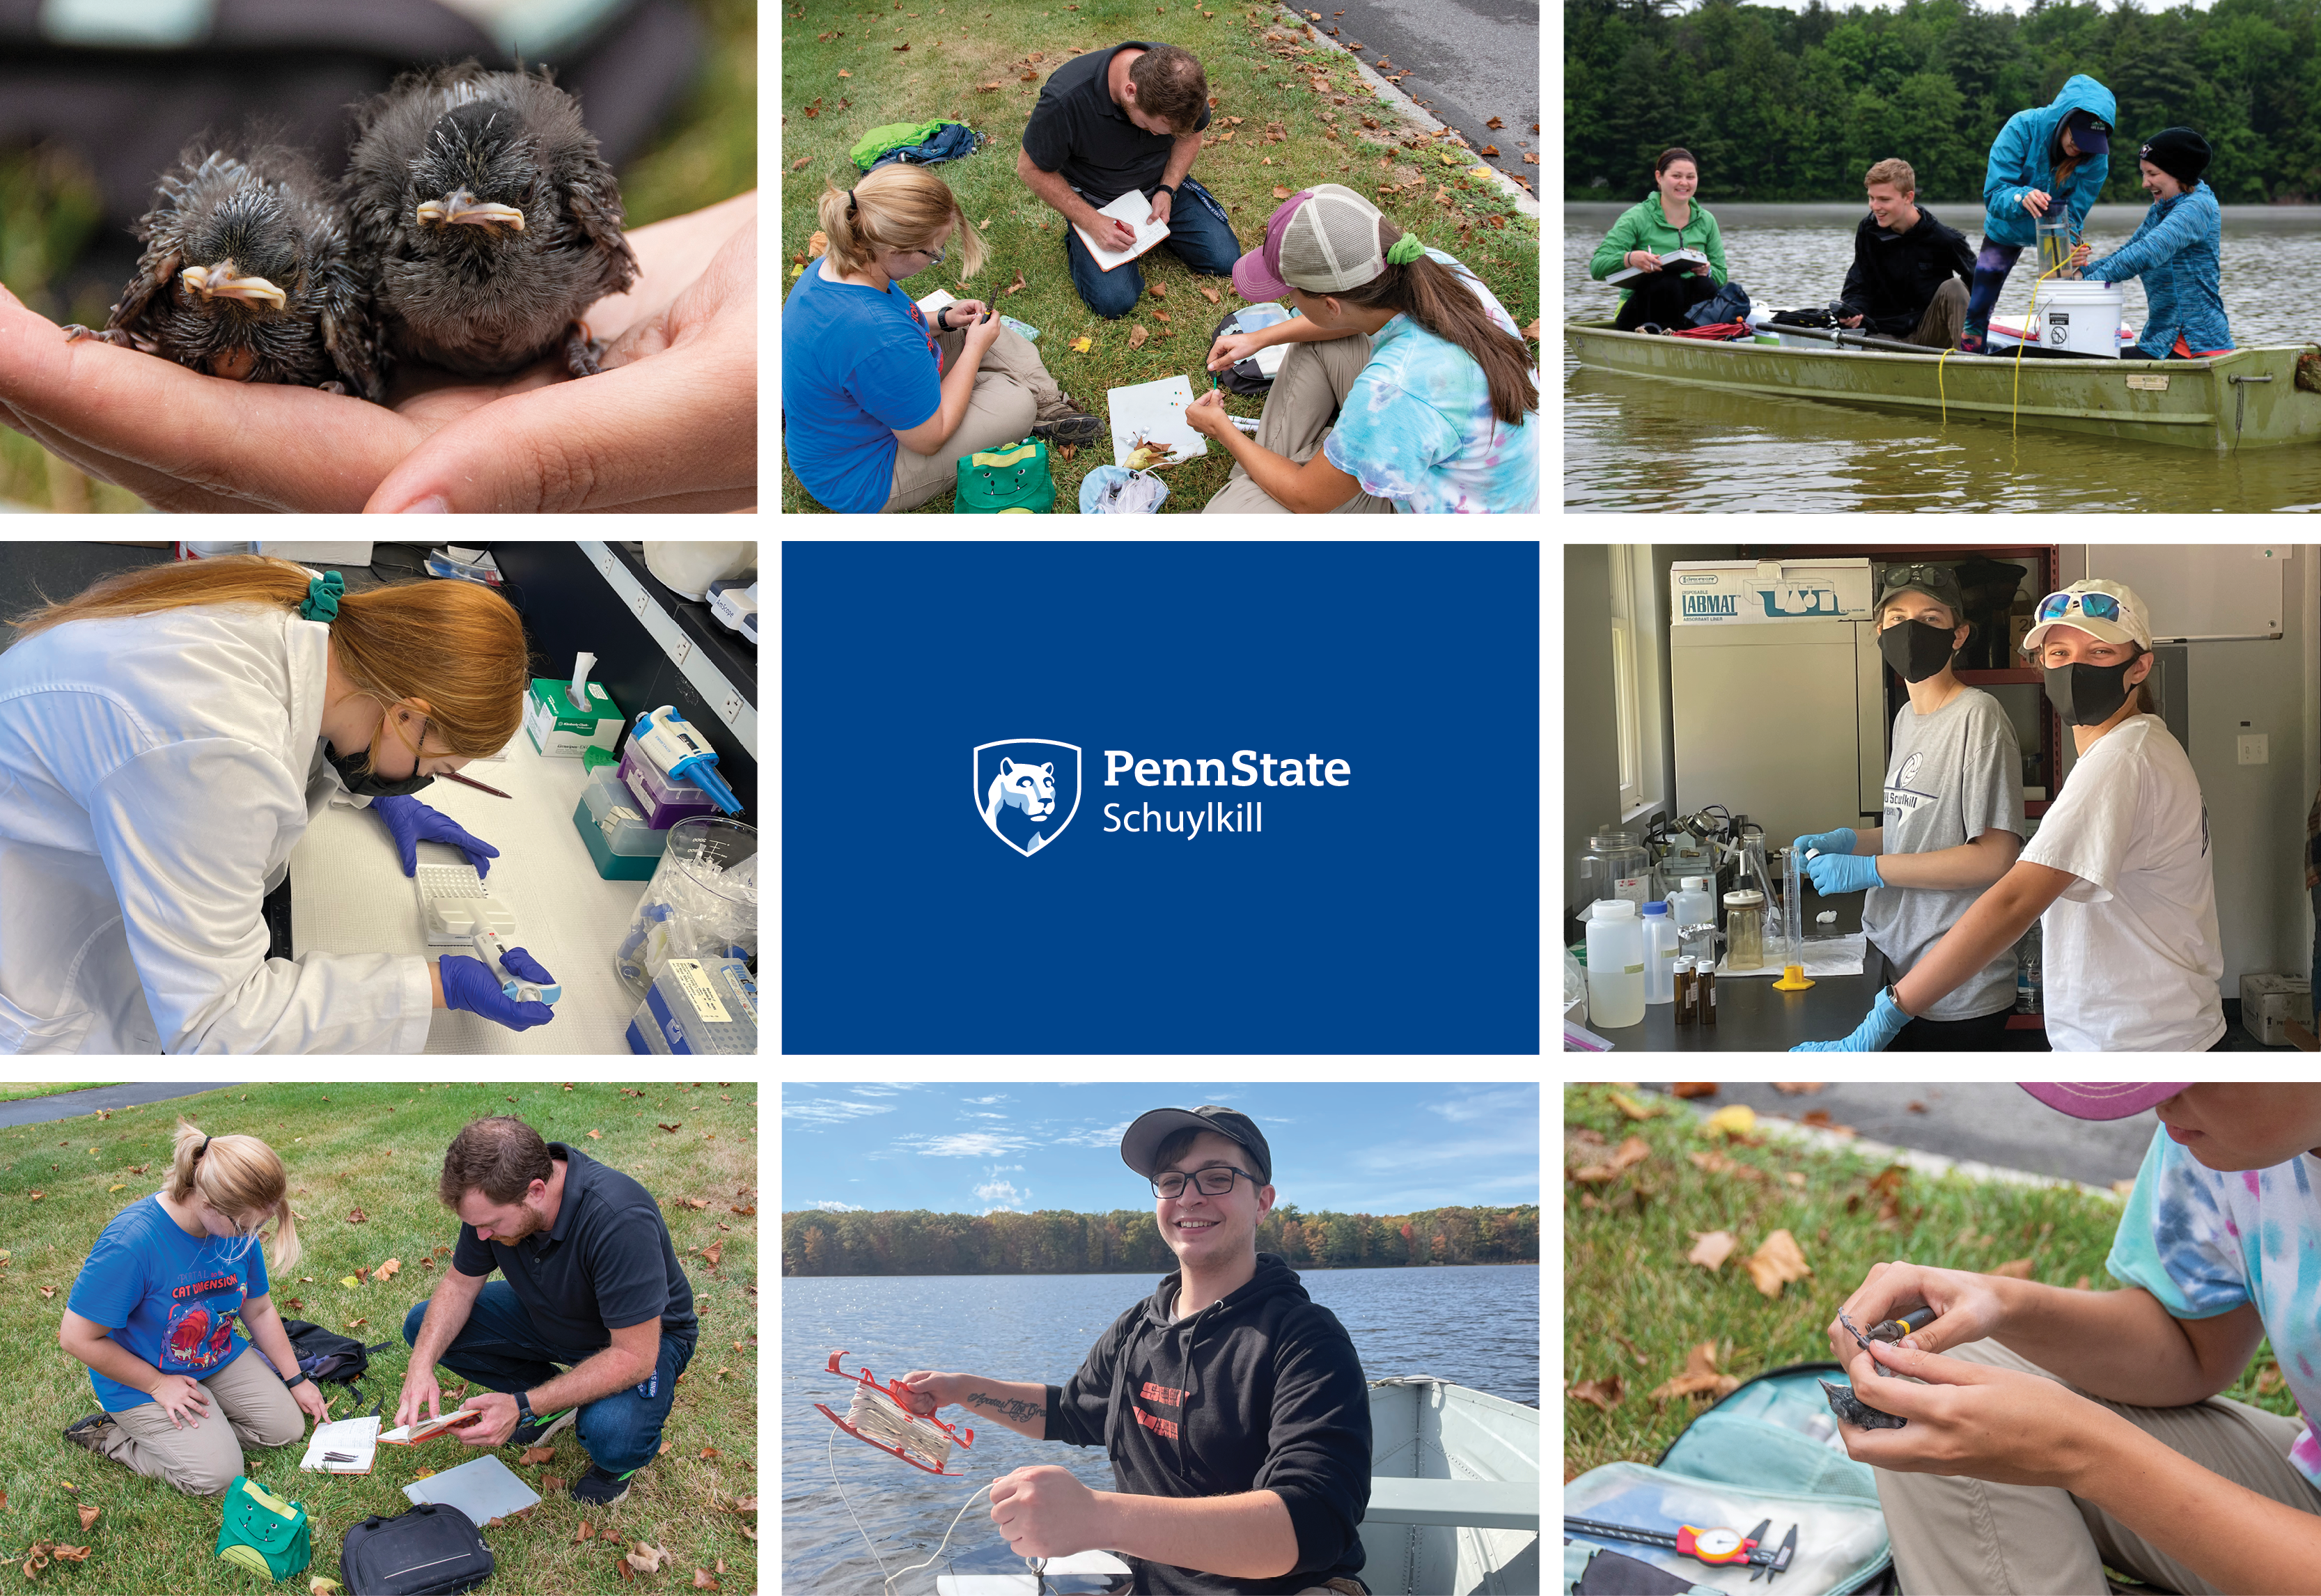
1468	61
69	1104
1994	1123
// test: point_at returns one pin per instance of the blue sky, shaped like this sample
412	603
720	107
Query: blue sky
953	1147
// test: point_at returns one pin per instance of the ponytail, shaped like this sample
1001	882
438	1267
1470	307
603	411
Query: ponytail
241	1178
895	206
1434	296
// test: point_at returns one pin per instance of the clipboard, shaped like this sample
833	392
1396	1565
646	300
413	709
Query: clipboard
1132	208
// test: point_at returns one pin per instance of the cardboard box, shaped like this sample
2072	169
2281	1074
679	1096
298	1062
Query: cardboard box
2268	1002
1711	592
559	732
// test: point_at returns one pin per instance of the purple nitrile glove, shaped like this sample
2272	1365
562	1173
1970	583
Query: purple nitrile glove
470	984
414	823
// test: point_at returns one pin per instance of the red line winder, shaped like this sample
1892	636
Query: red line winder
898	1391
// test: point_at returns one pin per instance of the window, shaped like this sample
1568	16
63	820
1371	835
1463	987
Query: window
1639	678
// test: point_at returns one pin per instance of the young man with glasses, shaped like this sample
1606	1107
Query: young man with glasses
2119	876
1954	813
1233	1409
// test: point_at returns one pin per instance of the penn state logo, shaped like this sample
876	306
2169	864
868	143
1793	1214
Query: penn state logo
1909	769
1027	790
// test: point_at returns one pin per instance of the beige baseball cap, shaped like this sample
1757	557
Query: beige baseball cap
2107	611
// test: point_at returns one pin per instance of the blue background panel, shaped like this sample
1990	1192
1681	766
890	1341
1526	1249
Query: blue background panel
1398	914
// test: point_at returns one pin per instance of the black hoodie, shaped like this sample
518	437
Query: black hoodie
1259	1392
1895	275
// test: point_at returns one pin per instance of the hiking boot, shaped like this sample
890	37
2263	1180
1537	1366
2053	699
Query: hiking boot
95	1432
538	1429
599	1489
1073	427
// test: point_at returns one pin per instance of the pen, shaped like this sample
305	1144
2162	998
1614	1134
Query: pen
470	781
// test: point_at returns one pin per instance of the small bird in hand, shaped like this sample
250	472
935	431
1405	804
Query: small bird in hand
486	220
247	275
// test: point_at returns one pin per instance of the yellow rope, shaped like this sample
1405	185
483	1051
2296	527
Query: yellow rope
2014	413
1940	391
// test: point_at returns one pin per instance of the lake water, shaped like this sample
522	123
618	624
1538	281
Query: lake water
1630	444
1477	1325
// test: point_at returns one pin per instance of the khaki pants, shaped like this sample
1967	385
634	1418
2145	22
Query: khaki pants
1944	319
1307	393
1013	390
248	1407
1953	1535
1336	1588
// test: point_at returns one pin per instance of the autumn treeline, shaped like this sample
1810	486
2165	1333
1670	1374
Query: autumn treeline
1127	1241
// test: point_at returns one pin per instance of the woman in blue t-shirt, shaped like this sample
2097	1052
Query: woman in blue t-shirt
880	406
152	1315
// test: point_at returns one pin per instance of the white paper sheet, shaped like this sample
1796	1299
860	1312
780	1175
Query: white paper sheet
1833	955
483	1490
1132	208
934	303
358	1436
1154	410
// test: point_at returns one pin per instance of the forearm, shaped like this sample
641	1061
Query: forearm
447	1312
266	1334
435	980
1996	922
957	391
2231	1537
599	1375
1247	1537
1977	863
1180	159
1051	188
1021	1405
116	1362
2120	1346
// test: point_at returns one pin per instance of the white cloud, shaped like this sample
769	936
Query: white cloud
1002	1195
830	1206
966	1144
995	1097
1093	1136
1491	1103
821	1113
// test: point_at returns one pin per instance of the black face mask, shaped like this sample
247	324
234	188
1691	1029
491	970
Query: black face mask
1916	649
370	783
2087	695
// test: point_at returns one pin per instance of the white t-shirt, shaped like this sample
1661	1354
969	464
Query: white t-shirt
2130	953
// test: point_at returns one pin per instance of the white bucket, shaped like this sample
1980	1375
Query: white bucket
2080	317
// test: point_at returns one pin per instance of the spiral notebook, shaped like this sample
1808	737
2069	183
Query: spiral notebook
1132	208
344	1446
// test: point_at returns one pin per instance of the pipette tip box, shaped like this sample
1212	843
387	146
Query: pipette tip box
559	730
698	1005
611	824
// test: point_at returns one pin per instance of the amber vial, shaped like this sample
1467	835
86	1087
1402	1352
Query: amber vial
1684	994
1704	997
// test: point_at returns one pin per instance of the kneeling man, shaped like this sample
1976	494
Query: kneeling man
592	1281
1910	273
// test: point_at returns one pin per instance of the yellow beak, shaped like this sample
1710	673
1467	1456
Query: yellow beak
462	207
222	282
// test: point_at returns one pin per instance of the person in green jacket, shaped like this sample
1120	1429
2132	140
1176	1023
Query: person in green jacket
1665	221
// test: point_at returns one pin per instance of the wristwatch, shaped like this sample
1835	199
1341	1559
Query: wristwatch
1168	188
942	319
294	1379
523	1399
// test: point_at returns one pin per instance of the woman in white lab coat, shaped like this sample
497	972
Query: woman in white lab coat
2118	877
163	739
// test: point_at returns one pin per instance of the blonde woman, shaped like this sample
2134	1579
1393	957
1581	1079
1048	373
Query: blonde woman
880	404
152	1315
165	737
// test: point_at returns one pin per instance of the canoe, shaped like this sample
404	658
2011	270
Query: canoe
2250	399
1453	1511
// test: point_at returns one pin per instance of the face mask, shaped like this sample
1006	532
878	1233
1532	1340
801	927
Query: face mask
370	783
1915	650
2087	695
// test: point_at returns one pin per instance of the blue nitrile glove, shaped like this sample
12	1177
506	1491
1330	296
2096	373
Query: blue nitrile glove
414	823
1840	841
1843	872
470	984
1873	1035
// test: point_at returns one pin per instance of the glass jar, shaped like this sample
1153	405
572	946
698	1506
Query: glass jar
1615	866
1744	930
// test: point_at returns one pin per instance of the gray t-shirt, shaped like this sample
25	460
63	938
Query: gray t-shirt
1955	774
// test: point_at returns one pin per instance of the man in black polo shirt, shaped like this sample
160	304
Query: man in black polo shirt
592	1281
1233	1409
1123	120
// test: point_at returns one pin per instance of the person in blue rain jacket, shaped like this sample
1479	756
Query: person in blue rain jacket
2175	250
2052	159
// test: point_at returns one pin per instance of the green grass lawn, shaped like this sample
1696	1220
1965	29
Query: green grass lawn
12	1091
377	1147
1253	80
1634	1306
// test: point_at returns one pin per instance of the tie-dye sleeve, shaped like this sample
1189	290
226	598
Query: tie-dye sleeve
2176	1240
1390	439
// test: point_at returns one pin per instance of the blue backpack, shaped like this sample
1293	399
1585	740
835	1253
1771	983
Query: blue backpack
1730	303
954	140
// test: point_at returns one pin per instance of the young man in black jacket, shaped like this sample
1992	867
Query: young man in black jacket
1910	273
1233	1409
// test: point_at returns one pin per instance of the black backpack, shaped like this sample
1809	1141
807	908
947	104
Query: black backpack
433	1550
328	1355
1242	377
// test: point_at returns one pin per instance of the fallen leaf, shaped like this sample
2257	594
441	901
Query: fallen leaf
349	1281
116	1186
1158	290
1207	293
842	72
647	1558
356	1216
1279	192
1777	1263
905	45
293	1305
1606	1393
621	1566
1820	1120
985	88
1710	1248
1693	1089
750	1209
1796	1088
140	1169
1735	1119
38	1195
702	1581
1530	161
745	1504
357	1324
708	1452
672	1129
1494	124
1160	316
596	1136
389	1270
319	1586
1889	1180
1634	1151
1080	346
2014	1268
548	1482
1014	287
712	1252
532	1454
88	1515
1634	1110
1488	149
1138	336
586	1531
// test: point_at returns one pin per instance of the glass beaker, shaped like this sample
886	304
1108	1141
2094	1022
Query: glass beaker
1615	866
2055	241
1744	930
702	901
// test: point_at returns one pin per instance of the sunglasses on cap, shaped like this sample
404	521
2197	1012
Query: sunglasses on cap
2103	606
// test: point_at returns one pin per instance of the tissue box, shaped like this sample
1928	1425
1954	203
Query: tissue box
560	732
2268	1002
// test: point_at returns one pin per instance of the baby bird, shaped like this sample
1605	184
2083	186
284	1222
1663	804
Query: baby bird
247	275
486	220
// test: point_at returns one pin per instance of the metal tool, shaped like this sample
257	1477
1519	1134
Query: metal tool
1909	1323
1718	1546
1787	1549
1843	1400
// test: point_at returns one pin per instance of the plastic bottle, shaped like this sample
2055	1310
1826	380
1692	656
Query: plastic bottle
1660	954
1616	965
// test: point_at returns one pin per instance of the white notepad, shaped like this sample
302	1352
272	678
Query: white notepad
1154	410
1132	208
359	1437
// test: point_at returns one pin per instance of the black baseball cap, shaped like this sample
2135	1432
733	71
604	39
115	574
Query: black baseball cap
1139	1149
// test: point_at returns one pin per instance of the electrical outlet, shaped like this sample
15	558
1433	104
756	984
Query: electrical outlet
683	647
2254	749
731	706
637	604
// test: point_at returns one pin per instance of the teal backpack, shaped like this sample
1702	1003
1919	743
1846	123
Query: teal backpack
262	1533
1007	479
1769	1454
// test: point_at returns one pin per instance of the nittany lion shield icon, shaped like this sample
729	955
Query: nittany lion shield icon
1028	789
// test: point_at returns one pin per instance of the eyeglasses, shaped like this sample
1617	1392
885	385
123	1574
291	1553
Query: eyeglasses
1213	1182
2103	606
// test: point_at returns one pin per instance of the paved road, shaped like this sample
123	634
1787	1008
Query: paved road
66	1104
1995	1123
1468	61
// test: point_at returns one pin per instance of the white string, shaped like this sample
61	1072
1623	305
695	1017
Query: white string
946	1539
880	1416
831	1453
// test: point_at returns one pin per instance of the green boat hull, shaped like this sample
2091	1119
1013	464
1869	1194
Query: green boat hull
2246	399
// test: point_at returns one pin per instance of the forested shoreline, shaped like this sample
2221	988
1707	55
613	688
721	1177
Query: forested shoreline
1782	104
1127	1241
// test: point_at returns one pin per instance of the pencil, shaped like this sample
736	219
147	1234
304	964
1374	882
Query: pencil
470	781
